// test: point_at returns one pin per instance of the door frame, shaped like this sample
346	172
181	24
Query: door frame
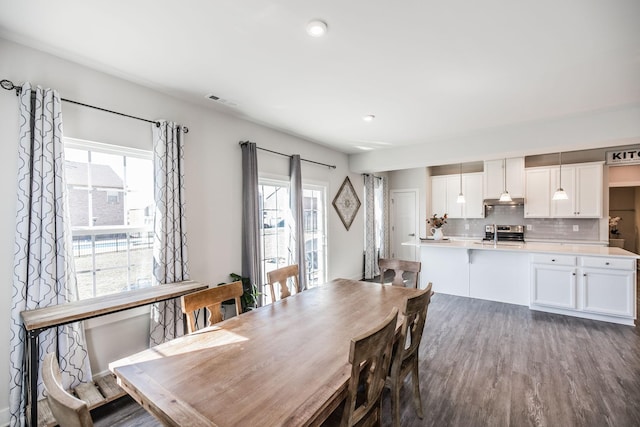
392	219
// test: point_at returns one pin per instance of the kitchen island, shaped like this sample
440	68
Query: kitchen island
594	282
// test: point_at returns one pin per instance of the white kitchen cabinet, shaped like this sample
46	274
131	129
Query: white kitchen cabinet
537	202
472	184
583	185
438	195
563	208
582	182
494	177
454	209
609	286
602	288
589	187
553	281
444	195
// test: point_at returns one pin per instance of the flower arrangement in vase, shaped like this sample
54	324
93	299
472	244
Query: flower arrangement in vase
613	224
437	223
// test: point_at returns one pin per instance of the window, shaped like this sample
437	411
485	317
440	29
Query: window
276	233
110	192
314	234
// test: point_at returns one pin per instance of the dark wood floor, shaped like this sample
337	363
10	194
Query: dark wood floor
491	364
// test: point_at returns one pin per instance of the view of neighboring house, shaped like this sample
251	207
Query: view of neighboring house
107	207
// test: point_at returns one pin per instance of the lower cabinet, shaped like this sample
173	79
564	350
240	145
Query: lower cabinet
554	286
601	288
608	291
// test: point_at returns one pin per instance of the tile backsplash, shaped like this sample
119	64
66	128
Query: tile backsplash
541	228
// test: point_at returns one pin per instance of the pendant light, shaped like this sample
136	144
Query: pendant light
505	197
560	194
460	198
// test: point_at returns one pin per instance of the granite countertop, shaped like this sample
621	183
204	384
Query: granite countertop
534	247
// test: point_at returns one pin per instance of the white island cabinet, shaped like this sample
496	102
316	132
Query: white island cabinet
602	288
463	271
587	281
553	281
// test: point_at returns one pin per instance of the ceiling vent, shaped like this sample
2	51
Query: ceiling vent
223	101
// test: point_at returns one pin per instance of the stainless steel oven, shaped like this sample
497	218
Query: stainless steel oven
505	233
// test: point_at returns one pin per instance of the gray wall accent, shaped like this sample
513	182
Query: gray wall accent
541	228
453	169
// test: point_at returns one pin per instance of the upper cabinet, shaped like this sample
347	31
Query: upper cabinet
473	194
537	201
444	194
582	182
494	177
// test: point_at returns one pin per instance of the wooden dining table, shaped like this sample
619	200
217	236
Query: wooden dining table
284	364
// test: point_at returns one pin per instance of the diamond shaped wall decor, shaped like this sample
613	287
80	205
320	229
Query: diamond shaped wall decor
346	203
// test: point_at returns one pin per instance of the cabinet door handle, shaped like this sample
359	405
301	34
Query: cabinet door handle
553	260
584	274
573	273
606	263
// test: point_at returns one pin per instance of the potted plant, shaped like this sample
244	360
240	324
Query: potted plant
249	298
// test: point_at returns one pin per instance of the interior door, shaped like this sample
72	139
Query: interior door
404	223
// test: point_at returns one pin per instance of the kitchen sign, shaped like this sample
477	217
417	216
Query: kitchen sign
624	157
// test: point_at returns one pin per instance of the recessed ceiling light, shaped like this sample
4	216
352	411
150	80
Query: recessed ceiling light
317	28
369	118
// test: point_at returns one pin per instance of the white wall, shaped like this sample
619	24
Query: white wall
213	177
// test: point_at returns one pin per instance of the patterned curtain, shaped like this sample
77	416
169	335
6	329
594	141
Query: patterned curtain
250	216
43	272
297	212
170	262
383	209
376	202
370	248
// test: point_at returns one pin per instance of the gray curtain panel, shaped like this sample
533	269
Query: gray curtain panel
370	247
251	257
170	260
43	272
295	203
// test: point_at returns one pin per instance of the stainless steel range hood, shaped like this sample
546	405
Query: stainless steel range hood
516	201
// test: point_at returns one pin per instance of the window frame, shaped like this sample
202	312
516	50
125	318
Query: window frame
284	181
93	231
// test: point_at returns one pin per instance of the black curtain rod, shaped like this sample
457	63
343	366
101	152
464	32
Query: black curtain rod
370	174
287	155
8	85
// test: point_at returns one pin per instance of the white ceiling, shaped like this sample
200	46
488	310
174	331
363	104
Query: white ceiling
426	69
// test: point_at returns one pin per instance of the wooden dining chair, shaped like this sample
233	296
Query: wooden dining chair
68	410
370	357
405	352
210	299
282	276
399	267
